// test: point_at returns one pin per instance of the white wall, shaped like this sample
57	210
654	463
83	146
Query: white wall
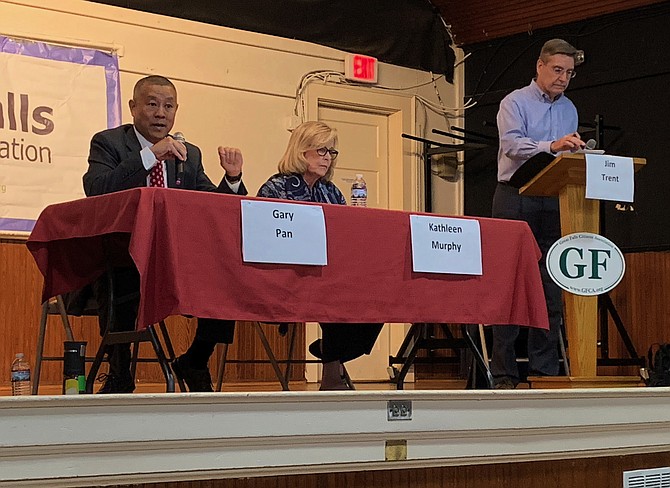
235	87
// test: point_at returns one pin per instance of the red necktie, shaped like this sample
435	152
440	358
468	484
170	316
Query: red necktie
156	176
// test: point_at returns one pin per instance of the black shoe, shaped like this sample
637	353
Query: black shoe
503	383
315	349
196	379
116	383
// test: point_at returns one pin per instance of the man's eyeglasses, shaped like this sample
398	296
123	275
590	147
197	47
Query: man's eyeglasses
570	73
323	150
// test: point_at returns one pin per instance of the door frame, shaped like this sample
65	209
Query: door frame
404	162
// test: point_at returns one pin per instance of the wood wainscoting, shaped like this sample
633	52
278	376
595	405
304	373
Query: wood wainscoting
604	472
641	302
639	299
20	294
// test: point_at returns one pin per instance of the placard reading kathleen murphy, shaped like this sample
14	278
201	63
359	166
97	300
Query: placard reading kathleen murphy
283	233
446	245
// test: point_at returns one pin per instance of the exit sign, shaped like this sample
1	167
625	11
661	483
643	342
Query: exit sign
360	68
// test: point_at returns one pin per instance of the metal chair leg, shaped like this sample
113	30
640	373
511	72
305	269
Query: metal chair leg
271	356
564	354
40	348
63	316
291	347
222	366
478	357
171	356
133	359
347	378
410	349
162	360
482	341
60	306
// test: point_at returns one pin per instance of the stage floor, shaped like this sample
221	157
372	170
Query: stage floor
153	437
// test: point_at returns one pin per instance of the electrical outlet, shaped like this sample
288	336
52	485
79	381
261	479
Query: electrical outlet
399	410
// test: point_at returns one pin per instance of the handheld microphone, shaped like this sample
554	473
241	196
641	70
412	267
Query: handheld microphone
590	144
179	164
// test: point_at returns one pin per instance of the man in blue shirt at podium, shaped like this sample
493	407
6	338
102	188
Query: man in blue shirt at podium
535	119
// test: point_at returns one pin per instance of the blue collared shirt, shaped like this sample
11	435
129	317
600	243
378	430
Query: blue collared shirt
528	122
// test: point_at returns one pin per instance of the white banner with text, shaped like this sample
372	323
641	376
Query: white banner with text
52	100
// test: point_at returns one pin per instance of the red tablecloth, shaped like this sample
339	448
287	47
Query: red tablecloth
187	248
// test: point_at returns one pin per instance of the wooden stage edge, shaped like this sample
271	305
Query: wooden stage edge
151	438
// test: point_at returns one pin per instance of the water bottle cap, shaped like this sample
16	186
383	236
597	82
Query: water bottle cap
19	355
358	175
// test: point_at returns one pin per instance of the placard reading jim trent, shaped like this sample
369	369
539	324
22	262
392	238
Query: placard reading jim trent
446	245
283	233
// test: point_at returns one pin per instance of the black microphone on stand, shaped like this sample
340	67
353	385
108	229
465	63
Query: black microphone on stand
179	164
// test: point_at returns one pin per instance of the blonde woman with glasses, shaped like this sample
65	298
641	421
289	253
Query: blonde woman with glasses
305	174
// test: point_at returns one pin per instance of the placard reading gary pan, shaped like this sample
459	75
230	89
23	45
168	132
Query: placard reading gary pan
283	233
446	245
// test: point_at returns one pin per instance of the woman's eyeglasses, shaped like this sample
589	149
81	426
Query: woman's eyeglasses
323	150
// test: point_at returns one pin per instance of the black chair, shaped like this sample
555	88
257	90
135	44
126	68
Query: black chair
285	329
421	337
54	306
87	306
135	337
522	353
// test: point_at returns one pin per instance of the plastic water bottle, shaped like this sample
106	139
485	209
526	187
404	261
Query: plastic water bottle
20	376
359	192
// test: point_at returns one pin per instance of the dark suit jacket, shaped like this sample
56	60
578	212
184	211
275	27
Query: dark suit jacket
115	164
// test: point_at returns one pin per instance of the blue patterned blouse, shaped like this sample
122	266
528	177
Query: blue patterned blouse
294	187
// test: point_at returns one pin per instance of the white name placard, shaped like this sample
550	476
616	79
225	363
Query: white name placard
609	178
283	233
446	245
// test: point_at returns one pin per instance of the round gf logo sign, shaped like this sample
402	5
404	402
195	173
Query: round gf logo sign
585	264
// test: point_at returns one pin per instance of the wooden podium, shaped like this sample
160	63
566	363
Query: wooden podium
565	177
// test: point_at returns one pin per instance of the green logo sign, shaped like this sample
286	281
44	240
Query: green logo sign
585	264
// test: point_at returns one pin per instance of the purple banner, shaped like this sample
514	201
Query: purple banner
75	55
16	225
18	149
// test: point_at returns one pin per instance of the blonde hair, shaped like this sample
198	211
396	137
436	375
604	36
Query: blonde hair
308	135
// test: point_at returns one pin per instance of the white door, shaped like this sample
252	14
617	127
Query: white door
370	125
363	146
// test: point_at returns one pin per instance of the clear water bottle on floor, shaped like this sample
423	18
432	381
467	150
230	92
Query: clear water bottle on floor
20	376
359	192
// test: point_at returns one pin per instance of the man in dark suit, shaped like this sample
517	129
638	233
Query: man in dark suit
144	154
